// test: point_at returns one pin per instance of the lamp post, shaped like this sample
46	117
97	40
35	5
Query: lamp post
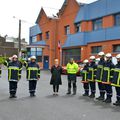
19	39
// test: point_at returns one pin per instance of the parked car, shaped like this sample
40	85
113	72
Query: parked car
80	64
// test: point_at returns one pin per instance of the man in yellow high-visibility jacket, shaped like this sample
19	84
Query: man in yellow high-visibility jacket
72	69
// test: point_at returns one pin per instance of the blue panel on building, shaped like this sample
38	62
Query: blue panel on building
35	30
83	38
39	43
98	9
113	33
77	39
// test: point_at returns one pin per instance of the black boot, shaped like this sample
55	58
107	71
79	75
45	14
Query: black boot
117	103
101	97
69	91
11	96
86	93
108	100
32	94
92	95
74	91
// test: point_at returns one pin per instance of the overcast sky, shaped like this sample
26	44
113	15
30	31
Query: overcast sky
26	10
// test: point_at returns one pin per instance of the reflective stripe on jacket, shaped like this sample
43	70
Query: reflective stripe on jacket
14	71
33	71
116	76
92	72
107	72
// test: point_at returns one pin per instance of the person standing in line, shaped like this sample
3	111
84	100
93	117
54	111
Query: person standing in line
56	71
107	77
33	75
72	69
14	75
99	75
84	78
116	81
91	76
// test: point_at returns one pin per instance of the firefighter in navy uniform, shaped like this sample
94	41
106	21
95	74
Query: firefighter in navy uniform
99	74
84	78
116	80
33	75
107	77
91	76
14	75
72	69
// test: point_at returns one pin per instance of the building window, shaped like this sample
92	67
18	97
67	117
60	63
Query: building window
97	24
33	51
78	27
117	19
67	30
47	35
116	48
34	39
39	52
71	53
96	49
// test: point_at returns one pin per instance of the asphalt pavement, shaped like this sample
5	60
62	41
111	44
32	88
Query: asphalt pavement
45	106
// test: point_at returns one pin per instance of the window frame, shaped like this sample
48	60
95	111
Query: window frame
96	49
35	39
113	49
97	24
47	34
117	17
78	27
67	31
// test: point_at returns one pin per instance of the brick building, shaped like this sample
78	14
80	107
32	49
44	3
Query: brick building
7	48
82	29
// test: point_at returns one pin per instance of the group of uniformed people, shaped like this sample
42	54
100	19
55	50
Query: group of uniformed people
105	74
14	74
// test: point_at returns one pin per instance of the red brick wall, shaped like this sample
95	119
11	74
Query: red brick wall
107	48
67	18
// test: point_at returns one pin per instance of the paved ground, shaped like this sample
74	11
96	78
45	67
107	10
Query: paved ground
47	107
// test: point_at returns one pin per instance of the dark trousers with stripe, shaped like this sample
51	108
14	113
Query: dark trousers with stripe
117	93
86	87
108	89
32	86
92	87
101	88
12	87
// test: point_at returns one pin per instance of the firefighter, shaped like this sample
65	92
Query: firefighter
116	80
84	78
14	75
72	69
99	74
91	76
33	74
107	76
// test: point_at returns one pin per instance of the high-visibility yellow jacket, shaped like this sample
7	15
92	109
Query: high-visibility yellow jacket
72	68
